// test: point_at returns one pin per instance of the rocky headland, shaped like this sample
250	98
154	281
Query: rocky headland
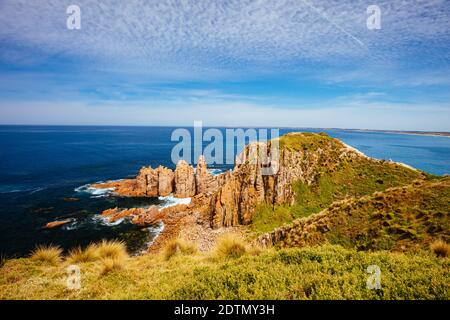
232	199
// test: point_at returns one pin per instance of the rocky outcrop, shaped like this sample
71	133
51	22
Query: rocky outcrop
249	183
184	180
57	223
205	182
166	180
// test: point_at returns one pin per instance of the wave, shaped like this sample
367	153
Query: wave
157	231
71	226
105	221
171	201
29	190
95	192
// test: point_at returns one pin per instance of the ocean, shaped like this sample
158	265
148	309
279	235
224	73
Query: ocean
45	170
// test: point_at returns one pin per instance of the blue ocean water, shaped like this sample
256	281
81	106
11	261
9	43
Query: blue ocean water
42	166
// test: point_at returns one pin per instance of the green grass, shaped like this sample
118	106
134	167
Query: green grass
328	272
350	179
398	219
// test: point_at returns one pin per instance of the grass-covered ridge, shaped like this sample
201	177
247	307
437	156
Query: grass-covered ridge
338	179
401	218
329	272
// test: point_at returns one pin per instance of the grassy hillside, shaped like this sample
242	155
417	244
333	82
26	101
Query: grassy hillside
399	218
350	178
329	272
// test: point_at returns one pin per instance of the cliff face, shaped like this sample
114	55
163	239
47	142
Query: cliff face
301	157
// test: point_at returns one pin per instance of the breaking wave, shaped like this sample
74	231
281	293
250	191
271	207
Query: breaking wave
171	201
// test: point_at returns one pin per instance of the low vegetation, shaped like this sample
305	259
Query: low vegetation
112	264
354	178
440	248
80	255
111	249
399	219
179	247
47	254
230	246
327	272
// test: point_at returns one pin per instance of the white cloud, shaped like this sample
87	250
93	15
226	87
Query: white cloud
191	36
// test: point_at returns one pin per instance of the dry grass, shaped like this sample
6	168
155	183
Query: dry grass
230	246
327	272
79	255
112	264
440	248
48	254
111	249
179	246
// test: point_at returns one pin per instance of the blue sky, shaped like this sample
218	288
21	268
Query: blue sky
287	63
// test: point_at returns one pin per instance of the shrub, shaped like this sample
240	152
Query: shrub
111	249
78	255
49	254
230	246
440	248
179	246
112	264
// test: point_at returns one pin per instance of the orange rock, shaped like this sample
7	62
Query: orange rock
184	180
57	223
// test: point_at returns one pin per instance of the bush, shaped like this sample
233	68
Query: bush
179	246
112	264
78	255
111	249
440	248
230	246
49	254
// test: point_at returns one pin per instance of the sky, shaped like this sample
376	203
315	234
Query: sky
277	63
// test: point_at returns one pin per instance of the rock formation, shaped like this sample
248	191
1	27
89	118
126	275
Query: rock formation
301	157
162	181
184	180
262	175
56	223
205	182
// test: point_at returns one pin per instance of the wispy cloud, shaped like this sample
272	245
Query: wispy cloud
187	36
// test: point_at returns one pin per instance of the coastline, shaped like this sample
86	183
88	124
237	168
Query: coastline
415	133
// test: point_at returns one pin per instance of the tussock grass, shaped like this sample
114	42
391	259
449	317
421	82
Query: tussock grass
111	249
112	264
230	246
179	246
47	254
79	255
440	248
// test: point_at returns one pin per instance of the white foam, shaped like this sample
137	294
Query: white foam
105	221
95	192
171	201
155	229
354	150
71	226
